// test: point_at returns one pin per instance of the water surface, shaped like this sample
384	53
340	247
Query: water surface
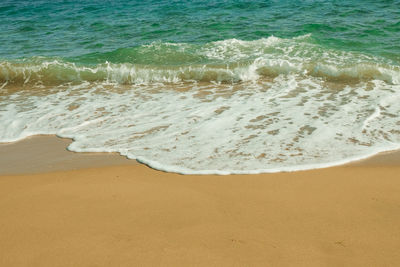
205	86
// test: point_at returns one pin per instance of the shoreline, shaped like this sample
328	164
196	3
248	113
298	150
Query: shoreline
131	215
48	153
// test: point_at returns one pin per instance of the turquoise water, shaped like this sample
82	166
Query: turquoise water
75	30
205	86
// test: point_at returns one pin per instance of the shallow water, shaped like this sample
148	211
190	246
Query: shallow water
222	87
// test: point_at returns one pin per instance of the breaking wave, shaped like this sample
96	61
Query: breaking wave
223	107
228	61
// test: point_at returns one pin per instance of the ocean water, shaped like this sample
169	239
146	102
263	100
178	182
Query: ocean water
200	87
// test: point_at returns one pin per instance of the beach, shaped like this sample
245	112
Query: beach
199	133
131	215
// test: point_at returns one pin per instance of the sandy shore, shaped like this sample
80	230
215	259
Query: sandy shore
112	212
44	153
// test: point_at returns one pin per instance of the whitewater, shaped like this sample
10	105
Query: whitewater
224	107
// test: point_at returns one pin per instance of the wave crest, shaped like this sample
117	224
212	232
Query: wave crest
227	61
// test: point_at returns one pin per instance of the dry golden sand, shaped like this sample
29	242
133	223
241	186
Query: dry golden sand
131	215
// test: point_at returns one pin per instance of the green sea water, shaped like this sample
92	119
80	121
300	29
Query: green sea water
98	31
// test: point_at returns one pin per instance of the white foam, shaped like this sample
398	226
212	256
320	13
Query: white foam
291	123
225	61
293	120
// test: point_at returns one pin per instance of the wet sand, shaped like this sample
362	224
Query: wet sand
107	213
46	153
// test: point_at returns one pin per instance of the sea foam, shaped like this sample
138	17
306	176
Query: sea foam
256	106
228	61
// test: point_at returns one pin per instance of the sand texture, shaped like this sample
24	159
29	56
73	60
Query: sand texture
131	215
45	153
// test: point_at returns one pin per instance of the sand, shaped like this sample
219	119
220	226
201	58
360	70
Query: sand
46	153
131	215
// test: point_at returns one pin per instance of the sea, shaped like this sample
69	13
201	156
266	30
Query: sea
205	87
